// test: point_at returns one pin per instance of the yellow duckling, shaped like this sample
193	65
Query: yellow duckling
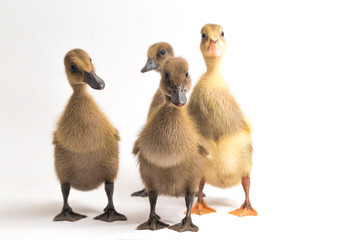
221	122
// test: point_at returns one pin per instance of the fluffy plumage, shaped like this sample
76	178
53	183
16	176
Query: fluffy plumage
157	55
86	144
170	151
219	118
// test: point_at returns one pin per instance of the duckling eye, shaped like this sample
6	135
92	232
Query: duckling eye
166	75
222	33
73	69
162	52
203	36
186	74
90	60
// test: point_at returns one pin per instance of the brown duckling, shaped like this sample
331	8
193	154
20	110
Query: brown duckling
170	151
157	54
86	144
221	122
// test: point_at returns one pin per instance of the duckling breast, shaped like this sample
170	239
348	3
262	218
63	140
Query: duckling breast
168	139
83	127
230	160
215	111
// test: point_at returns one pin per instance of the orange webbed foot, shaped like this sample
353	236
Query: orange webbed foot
244	210
201	208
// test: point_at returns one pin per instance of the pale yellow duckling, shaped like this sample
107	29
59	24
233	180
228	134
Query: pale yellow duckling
220	120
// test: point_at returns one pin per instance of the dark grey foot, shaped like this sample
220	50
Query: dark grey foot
185	225
111	215
152	224
68	215
141	193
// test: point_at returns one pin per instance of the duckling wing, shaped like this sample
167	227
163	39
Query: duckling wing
117	135
55	141
136	148
203	148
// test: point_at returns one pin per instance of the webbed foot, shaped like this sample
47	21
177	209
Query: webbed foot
201	208
111	215
152	224
244	210
185	225
141	193
68	215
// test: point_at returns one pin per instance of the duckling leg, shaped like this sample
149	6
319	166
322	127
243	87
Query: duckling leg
186	224
110	214
201	206
246	208
66	213
141	193
153	223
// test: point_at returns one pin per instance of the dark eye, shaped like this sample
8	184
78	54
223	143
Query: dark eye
203	36
90	60
222	33
166	75
162	52
73	69
187	75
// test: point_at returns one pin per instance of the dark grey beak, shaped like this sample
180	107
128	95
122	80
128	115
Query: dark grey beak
93	80
150	65
178	95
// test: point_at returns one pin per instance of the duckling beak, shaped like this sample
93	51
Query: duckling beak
94	80
150	65
214	48
178	96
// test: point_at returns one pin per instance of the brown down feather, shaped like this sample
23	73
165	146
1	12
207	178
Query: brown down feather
86	144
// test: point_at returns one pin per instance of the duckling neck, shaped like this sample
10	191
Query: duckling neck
80	89
213	64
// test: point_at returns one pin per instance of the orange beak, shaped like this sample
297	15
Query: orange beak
214	48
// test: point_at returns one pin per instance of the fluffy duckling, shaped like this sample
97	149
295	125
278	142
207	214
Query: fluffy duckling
170	151
157	54
221	122
86	144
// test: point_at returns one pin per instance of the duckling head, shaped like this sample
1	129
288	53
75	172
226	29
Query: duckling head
80	70
175	80
157	54
212	41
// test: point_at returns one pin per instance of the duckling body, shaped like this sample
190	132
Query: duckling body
170	151
169	160
86	144
221	122
157	55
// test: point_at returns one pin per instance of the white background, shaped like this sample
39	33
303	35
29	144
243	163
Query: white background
293	67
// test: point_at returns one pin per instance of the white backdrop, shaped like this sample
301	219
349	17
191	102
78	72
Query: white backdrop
293	66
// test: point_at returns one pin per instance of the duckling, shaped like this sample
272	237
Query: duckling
221	122
170	151
157	54
86	144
